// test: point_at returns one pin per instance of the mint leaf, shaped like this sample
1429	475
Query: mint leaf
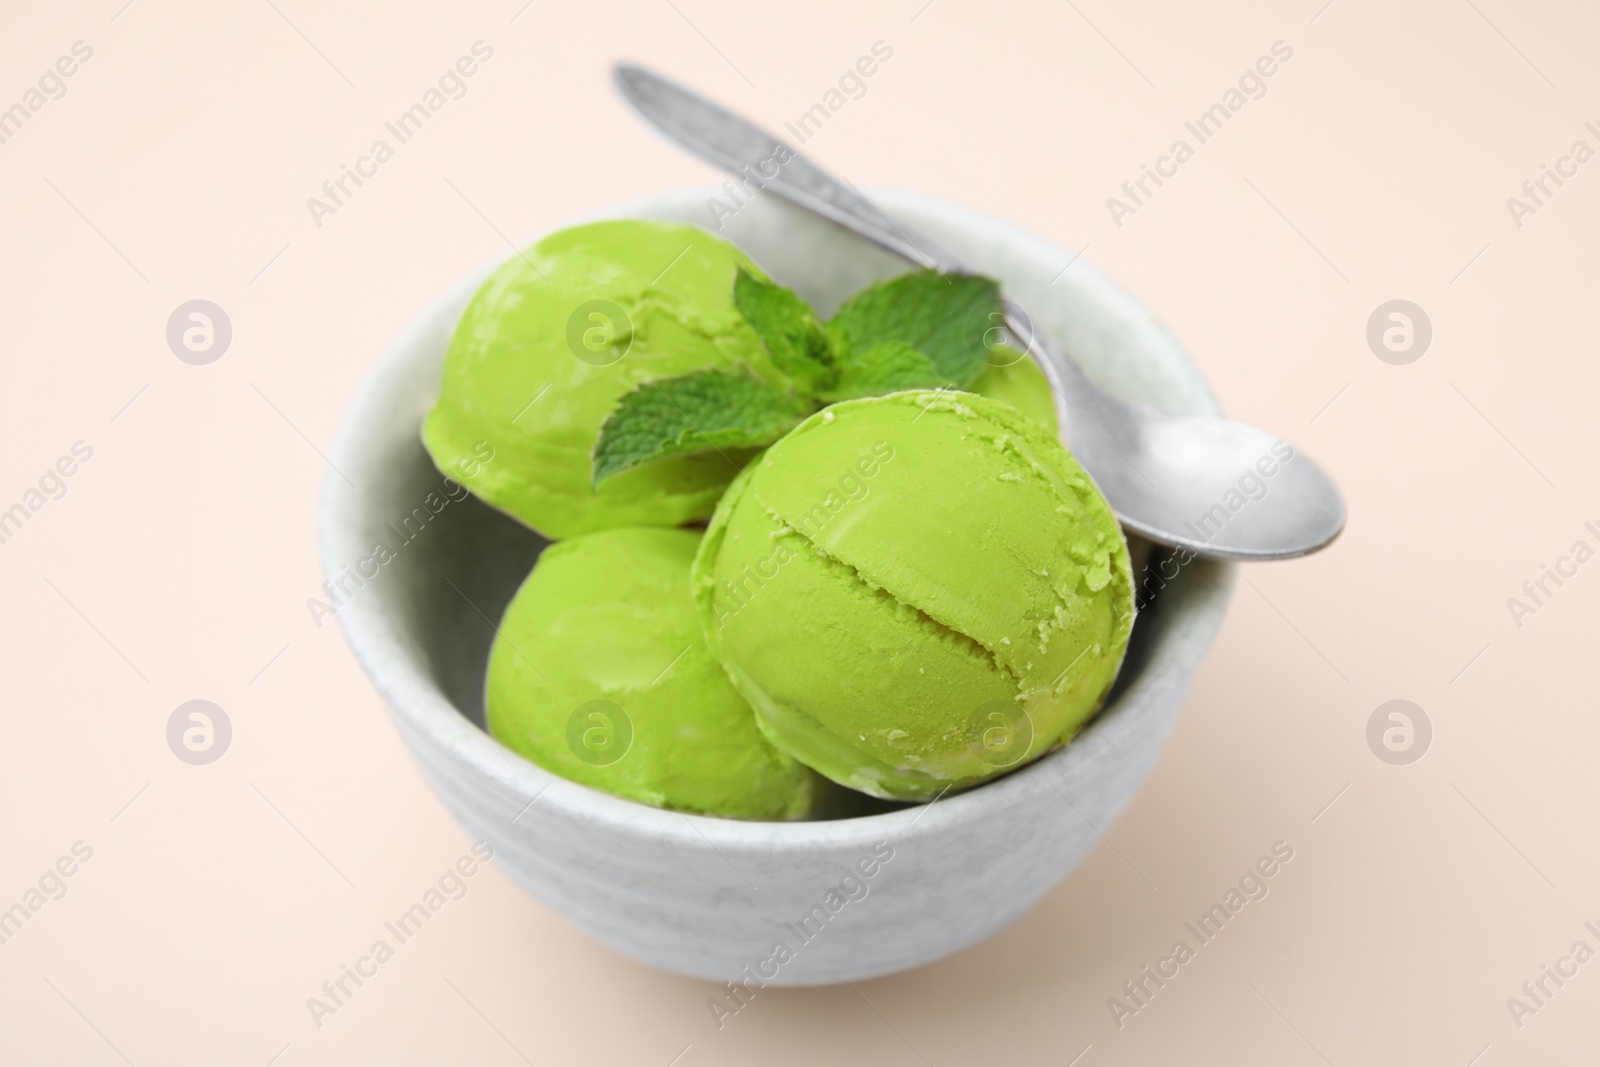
886	367
788	327
697	412
949	318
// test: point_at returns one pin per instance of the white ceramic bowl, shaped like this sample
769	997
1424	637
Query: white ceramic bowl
713	897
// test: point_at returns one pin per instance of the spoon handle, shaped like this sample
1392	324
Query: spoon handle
725	140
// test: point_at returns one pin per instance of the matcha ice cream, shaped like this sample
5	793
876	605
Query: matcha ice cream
600	674
1015	378
916	592
551	342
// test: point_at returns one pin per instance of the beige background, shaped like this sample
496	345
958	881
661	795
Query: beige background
178	563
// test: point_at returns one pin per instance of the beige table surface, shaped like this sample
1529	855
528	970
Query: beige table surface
177	164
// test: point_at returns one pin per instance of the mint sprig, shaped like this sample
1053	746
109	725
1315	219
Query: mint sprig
950	318
919	330
788	327
696	412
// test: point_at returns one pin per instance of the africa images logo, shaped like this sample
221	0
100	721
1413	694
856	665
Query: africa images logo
349	581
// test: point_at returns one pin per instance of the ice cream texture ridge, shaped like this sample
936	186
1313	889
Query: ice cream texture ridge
916	592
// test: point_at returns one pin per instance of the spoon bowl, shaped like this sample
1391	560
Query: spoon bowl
1205	484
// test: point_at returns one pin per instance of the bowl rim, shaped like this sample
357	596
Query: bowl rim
422	710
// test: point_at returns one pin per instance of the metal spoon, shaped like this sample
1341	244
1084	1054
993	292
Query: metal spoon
1217	488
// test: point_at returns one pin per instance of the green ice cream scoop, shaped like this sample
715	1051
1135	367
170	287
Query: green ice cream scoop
599	673
553	340
916	592
1014	377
